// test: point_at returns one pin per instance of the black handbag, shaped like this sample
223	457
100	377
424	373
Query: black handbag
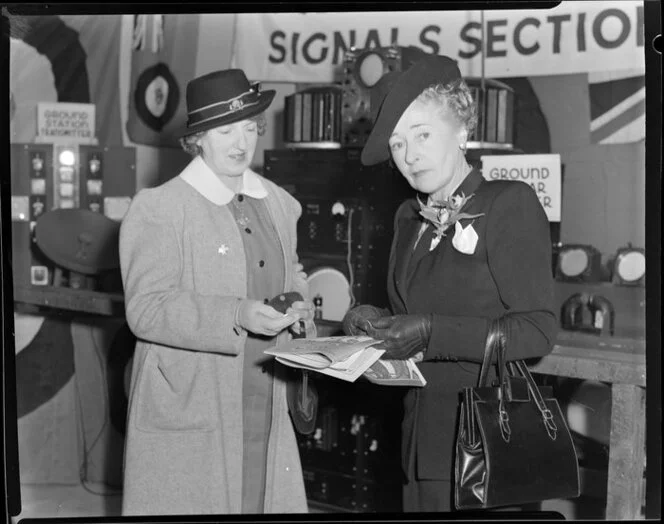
513	444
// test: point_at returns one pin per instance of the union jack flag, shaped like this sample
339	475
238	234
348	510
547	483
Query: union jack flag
617	107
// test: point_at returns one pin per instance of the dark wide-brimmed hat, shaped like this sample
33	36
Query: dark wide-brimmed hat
221	98
403	89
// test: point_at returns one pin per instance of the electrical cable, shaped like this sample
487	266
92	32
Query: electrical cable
86	450
349	260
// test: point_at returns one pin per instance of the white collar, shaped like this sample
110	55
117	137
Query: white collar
199	176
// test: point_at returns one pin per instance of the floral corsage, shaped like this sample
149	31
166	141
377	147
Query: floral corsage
444	214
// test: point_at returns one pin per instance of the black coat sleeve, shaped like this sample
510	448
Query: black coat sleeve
519	259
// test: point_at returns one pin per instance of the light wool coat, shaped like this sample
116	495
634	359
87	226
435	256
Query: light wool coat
184	273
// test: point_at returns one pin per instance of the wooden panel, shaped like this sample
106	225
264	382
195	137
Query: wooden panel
606	359
80	300
627	453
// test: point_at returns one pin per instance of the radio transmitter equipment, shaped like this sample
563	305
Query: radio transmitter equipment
96	184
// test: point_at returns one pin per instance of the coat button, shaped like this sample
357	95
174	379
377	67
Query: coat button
240	197
247	230
265	301
261	263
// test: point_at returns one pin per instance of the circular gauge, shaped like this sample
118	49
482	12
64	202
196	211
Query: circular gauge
332	285
573	262
631	266
371	69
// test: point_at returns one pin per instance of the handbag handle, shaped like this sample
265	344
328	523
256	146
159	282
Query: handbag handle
519	367
547	416
495	341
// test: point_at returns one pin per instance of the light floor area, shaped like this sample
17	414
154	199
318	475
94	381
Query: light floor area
97	500
64	501
50	501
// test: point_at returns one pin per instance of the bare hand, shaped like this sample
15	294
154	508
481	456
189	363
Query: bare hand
261	319
302	310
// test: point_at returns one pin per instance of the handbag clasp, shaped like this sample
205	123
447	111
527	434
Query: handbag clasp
549	424
504	420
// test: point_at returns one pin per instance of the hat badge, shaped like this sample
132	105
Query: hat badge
236	104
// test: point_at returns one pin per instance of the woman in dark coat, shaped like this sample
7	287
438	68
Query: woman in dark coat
465	252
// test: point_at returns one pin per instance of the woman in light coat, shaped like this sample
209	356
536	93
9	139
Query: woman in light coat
208	427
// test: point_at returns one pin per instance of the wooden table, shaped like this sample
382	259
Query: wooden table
620	362
81	301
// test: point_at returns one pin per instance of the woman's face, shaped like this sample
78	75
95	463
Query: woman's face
426	147
229	149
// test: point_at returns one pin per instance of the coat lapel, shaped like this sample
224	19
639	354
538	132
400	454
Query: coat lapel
280	220
408	228
470	183
467	187
422	247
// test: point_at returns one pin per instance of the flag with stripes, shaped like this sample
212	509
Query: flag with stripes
617	107
164	49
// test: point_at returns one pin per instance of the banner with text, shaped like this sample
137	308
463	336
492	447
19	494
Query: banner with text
541	172
573	37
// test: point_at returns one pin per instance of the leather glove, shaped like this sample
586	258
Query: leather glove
403	335
354	322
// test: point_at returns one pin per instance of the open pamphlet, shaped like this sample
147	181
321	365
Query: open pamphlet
348	358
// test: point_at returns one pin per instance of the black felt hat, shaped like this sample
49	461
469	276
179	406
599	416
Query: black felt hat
405	87
223	97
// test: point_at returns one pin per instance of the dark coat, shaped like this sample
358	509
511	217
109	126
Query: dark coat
509	272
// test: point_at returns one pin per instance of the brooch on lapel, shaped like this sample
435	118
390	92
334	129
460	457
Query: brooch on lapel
441	215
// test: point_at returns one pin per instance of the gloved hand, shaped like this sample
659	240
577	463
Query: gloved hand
403	335
261	319
354	322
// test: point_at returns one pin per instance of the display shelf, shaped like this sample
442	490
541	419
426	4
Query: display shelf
313	145
473	145
78	300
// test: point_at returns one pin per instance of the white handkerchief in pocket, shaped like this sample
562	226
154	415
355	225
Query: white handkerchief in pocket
465	239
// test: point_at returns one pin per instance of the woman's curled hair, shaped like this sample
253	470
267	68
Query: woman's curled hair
455	97
189	144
